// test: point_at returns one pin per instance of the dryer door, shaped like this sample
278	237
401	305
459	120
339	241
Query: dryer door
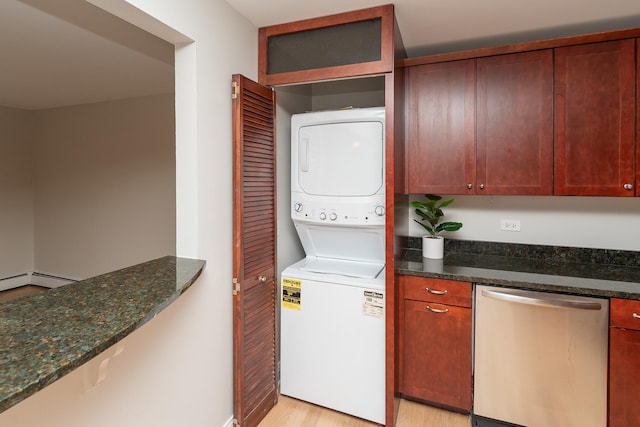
341	159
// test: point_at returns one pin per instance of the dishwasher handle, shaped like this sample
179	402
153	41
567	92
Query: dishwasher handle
536	298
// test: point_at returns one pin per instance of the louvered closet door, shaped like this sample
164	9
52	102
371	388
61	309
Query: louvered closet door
254	252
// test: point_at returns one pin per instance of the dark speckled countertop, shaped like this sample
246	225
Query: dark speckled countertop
593	272
45	336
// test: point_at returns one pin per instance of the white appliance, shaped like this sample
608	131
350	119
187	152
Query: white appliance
540	359
332	318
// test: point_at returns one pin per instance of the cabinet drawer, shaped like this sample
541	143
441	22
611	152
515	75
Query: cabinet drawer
625	313
436	290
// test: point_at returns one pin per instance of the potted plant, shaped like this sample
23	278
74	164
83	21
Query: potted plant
430	216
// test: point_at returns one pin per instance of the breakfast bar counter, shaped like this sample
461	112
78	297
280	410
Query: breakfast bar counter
46	336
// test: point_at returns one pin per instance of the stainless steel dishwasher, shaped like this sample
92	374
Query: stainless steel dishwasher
540	359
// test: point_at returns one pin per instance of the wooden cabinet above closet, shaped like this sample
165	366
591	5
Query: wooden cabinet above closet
554	117
348	44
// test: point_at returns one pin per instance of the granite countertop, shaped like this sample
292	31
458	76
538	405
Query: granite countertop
590	272
46	336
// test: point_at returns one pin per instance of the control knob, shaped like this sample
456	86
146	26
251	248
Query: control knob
297	206
323	216
379	210
333	216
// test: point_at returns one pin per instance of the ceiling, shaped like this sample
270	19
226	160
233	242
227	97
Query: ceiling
69	52
435	26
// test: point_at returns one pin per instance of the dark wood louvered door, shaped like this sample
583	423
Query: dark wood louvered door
254	252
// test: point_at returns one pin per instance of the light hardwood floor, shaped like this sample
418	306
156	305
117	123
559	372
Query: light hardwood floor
295	413
20	292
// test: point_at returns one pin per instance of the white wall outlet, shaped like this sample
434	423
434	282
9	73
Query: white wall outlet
510	224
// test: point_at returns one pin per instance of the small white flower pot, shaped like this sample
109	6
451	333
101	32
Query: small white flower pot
432	247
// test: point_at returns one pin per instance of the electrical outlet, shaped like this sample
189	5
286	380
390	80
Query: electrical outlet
510	224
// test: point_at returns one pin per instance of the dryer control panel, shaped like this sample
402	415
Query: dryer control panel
348	212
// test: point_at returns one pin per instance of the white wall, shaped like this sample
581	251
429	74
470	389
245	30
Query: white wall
592	222
104	185
177	369
16	192
289	100
359	93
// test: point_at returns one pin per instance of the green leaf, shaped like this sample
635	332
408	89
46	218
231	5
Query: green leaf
451	226
422	215
426	227
447	203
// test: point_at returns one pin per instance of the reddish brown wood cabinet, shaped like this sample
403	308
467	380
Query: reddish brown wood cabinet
436	341
595	119
336	46
509	150
624	363
514	134
441	128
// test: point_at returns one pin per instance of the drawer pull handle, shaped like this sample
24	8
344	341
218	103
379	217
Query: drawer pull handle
262	279
636	316
434	292
437	310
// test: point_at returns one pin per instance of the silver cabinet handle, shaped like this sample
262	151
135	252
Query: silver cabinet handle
636	316
628	186
469	186
262	278
437	310
434	292
534	298
482	186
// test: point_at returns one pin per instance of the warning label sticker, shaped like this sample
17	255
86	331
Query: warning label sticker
291	292
373	303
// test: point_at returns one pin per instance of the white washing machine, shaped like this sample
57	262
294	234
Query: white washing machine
332	345
333	341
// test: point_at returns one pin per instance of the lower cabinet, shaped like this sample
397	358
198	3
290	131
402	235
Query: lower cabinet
435	347
624	363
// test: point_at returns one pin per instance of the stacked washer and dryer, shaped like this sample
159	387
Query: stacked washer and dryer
333	300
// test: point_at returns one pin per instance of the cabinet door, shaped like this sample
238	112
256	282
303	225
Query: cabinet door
594	119
441	128
343	45
637	191
514	137
437	354
624	378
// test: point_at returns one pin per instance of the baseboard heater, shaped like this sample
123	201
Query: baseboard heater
49	281
34	278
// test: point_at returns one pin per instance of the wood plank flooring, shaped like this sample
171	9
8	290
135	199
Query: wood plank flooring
22	291
296	413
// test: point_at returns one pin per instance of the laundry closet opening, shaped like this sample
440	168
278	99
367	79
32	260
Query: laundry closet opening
87	144
356	93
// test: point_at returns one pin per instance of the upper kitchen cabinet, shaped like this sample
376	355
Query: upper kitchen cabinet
481	126
514	132
637	191
440	149
594	119
349	44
